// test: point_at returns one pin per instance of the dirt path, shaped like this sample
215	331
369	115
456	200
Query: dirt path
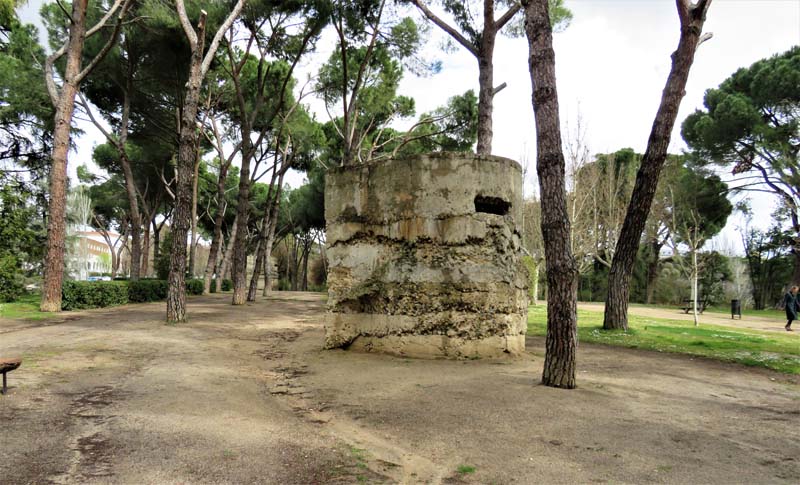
244	394
747	321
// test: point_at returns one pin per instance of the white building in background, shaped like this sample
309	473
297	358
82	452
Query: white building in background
90	254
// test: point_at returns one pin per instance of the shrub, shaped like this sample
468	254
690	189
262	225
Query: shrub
77	295
194	286
284	285
227	285
147	290
323	288
10	280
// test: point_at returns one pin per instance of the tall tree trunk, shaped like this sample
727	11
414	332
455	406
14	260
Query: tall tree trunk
535	281
306	251
268	255
692	18
239	268
176	294
259	263
294	265
486	81
695	296
216	240
193	240
145	266
267	270
268	228
226	259
156	240
652	270
57	208
218	271
130	182
562	272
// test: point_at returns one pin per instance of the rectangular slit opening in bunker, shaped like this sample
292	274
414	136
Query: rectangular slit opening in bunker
491	205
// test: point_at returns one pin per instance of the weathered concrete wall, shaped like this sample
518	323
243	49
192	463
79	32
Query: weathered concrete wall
424	257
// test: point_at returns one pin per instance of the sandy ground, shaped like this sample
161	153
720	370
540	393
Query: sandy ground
245	395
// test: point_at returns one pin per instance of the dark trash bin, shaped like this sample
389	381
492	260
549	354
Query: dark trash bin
736	308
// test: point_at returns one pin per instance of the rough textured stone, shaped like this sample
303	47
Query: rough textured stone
424	257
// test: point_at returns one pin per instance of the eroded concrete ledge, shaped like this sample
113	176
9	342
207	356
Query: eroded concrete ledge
424	257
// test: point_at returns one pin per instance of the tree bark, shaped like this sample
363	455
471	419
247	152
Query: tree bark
216	240
484	54
486	80
306	250
56	222
156	240
695	296
239	267
226	259
562	336
268	255
253	287
176	294
652	271
193	240
145	266
692	18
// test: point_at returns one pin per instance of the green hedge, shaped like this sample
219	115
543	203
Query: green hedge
227	285
79	295
194	286
143	291
76	295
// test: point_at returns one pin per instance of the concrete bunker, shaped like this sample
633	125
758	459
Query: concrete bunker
424	257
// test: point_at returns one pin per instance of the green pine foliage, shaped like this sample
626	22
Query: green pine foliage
10	280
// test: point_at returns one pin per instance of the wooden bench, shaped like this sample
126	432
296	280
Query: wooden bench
688	305
7	365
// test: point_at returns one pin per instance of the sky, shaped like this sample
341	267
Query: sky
611	66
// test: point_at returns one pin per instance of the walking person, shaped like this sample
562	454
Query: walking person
790	301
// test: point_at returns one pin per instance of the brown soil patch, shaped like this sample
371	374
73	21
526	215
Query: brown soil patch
245	394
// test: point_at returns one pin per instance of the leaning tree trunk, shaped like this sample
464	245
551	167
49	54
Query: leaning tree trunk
216	240
176	293
562	272
57	208
692	18
133	203
226	258
253	286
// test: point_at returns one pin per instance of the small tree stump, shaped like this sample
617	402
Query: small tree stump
7	365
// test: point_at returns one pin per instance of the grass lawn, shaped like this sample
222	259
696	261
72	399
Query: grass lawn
725	310
749	347
25	308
